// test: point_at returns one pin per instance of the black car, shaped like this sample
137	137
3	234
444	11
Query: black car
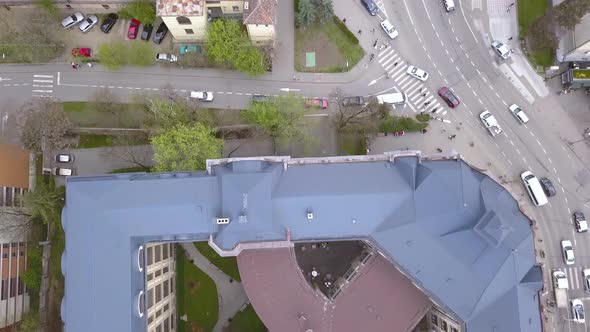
371	6
108	22
160	33
352	101
260	98
548	187
146	33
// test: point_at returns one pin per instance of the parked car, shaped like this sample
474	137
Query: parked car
548	187
88	23
371	6
64	158
146	32
352	101
389	29
580	222
501	50
568	252
64	171
160	33
133	29
202	95
109	22
72	20
82	52
449	97
518	113
317	102
166	57
586	275
578	314
417	73
260	98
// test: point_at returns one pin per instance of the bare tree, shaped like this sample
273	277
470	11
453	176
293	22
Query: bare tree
364	118
15	223
104	100
43	120
126	149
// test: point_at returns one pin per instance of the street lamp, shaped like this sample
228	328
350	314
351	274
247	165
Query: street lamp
585	136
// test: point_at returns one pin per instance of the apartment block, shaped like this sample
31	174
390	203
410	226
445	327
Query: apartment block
161	287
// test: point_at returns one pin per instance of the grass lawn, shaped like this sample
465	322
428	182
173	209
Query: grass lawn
397	123
246	321
351	144
83	114
196	296
94	141
129	170
228	265
542	58
528	12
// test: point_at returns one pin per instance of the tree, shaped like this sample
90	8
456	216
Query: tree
112	55
45	202
250	61
325	10
140	54
29	321
130	148
44	121
144	11
281	118
542	33
307	13
32	276
104	101
364	119
569	13
185	148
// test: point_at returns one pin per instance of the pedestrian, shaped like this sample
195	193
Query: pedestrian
426	103
375	44
433	110
373	30
419	90
510	38
360	31
424	94
344	20
439	150
74	65
395	63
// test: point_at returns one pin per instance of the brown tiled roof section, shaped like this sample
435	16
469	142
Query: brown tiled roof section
179	7
260	12
14	166
380	299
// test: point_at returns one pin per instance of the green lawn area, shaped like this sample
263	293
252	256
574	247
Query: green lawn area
246	321
397	123
196	296
129	170
83	114
94	141
543	57
528	12
351	144
228	265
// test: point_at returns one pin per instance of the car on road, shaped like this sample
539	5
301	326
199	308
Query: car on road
160	33
586	277
88	23
146	32
396	98
449	97
578	314
548	187
417	73
64	158
133	29
166	57
518	113
580	222
533	188
72	20
109	22
501	50
260	98
82	52
389	29
202	95
568	252
371	6
64	171
490	122
449	5
317	102
352	101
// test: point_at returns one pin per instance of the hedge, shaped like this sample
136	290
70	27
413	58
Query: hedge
344	29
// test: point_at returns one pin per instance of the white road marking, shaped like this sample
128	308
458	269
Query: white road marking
530	132
469	85
554	170
544	151
46	76
558	179
509	162
550	160
474	93
518	151
480	102
43	81
511	142
43	91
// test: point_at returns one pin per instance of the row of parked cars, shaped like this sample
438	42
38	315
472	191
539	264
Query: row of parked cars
64	158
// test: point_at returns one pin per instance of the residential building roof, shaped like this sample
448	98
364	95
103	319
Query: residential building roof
179	7
450	228
261	12
14	168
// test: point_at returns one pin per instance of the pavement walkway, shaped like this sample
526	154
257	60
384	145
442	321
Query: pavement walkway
232	296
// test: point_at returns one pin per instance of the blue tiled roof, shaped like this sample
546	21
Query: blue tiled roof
455	231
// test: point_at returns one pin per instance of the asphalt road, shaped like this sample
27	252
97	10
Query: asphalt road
455	53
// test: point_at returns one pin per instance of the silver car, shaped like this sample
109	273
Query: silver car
88	23
417	73
72	20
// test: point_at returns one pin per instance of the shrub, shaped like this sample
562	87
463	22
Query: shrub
422	117
397	123
32	276
349	34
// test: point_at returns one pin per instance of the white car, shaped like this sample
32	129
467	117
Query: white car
586	275
88	23
64	171
518	113
72	20
165	57
417	73
64	158
578	314
501	49
580	222
202	95
568	252
389	29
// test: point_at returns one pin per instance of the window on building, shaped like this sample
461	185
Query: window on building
165	251
150	276
166	323
166	289
2	196
434	319
443	325
21	287
18	192
22	253
166	307
172	285
150	251
150	319
12	287
158	313
158	293
159	328
9	195
165	269
189	31
172	321
158	252
105	6
150	298
236	8
5	245
454	329
4	290
158	273
5	255
14	254
182	20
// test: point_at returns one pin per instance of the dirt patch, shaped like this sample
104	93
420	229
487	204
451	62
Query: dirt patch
194	286
326	53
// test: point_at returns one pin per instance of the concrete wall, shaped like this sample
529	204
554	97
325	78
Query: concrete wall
198	25
261	34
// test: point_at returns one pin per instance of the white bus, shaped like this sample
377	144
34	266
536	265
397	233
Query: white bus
533	187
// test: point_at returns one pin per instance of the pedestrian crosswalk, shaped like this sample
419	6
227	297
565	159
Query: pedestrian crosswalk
574	277
420	99
43	85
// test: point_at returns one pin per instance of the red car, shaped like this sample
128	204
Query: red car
449	97
83	52
133	29
317	102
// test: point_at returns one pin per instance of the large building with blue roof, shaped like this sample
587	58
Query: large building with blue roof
454	231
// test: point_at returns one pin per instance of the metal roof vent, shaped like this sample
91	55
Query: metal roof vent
222	221
246	5
309	214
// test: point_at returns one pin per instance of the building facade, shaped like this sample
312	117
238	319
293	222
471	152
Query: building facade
161	287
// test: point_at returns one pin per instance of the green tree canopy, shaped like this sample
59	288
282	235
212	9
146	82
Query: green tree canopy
325	10
185	148
144	11
307	13
45	202
569	13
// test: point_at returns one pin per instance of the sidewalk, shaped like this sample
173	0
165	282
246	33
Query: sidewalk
231	294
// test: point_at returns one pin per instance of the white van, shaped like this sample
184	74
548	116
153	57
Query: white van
533	187
449	5
397	98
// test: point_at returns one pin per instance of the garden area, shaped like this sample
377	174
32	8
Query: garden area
246	321
228	265
530	11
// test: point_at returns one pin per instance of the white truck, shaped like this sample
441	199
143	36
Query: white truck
489	121
560	286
